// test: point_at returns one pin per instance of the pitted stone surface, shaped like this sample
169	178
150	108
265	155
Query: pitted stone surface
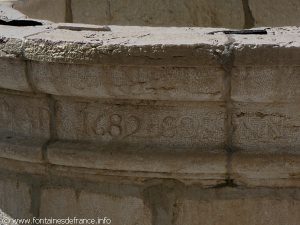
8	14
159	123
25	116
130	82
266	127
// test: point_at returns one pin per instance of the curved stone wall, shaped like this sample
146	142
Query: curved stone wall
150	125
189	13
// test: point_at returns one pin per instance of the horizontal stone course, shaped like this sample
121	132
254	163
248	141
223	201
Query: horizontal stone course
25	116
209	169
64	203
265	83
266	127
237	206
130	82
273	170
149	122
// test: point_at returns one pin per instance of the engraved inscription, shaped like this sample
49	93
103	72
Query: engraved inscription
23	116
266	127
188	124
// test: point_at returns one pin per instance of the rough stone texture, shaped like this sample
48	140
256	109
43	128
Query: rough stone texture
63	203
158	123
235	207
43	9
280	170
275	12
266	127
15	199
13	75
266	84
12	68
26	116
130	82
21	148
128	46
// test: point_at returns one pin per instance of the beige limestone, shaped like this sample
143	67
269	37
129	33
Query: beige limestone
15	199
138	160
13	75
148	122
130	82
43	9
280	170
236	207
266	127
128	45
266	84
22	115
21	148
63	203
275	12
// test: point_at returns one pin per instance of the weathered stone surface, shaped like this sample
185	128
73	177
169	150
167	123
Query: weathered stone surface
12	39
43	9
15	199
63	203
275	13
128	46
8	14
266	127
20	148
22	115
147	122
266	84
280	170
13	75
280	47
130	82
238	206
142	161
90	11
177	13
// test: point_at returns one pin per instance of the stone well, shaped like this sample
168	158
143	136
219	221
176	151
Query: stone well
149	125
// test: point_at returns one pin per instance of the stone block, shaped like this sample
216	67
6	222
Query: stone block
15	199
43	9
13	75
64	203
142	161
90	11
238	206
266	127
266	84
273	170
128	45
176	124
20	148
274	13
279	47
22	115
201	13
130	82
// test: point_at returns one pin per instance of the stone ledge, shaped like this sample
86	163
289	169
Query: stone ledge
138	160
280	170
